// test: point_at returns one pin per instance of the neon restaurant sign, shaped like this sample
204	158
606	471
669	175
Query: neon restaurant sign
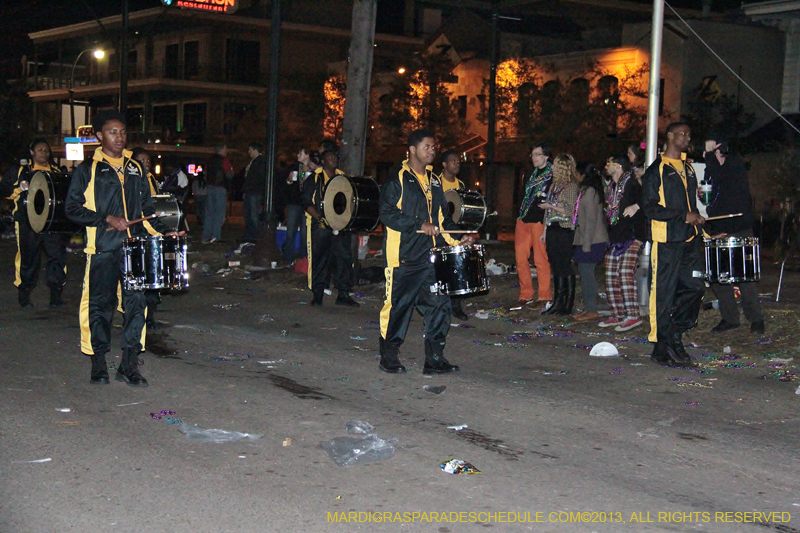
215	6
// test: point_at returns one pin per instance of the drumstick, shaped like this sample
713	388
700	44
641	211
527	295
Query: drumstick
452	231
724	216
136	221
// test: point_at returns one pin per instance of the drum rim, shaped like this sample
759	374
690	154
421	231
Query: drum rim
457	247
737	242
354	200
48	200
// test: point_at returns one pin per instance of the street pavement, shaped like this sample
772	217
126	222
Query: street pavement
564	441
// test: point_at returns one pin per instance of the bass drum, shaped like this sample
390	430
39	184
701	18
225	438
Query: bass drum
468	208
168	210
352	203
47	193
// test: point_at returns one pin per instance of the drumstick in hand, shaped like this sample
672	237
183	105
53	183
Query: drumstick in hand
724	216
452	231
136	221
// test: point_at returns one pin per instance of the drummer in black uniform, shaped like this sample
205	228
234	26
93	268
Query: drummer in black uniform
107	194
412	199
329	250
451	166
730	194
14	185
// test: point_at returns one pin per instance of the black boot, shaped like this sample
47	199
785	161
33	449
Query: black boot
560	293
55	299
25	298
663	353
345	299
129	368
435	363
681	356
317	300
390	363
569	298
456	310
99	374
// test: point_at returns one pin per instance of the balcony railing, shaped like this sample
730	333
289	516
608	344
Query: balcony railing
201	72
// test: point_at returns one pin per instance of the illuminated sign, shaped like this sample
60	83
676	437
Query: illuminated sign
74	152
194	170
217	6
84	135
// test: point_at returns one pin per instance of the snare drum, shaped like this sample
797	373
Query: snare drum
459	269
47	193
352	203
155	262
468	208
168	210
733	260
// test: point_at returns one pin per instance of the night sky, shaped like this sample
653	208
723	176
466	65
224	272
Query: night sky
20	17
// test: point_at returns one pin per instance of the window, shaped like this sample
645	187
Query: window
607	86
166	116
191	59
194	120
171	61
242	61
133	63
462	107
134	117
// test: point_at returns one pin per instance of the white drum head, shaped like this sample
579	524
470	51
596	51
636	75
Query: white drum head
338	205
453	200
39	202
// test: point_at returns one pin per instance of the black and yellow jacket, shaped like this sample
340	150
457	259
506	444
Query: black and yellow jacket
446	185
314	191
405	205
9	187
96	191
667	199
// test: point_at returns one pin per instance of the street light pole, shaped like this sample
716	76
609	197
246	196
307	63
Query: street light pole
99	55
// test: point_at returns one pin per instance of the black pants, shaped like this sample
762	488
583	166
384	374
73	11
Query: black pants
727	300
407	286
559	250
677	287
330	254
104	272
29	253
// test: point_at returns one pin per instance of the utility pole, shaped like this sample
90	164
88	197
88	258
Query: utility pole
123	66
265	248
491	136
359	74
654	92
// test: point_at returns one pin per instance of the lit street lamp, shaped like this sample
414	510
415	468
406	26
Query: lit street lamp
99	54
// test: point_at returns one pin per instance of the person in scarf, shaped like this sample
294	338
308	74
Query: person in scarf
529	229
626	232
591	236
559	232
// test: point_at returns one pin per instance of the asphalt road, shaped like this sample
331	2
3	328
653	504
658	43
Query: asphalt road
565	442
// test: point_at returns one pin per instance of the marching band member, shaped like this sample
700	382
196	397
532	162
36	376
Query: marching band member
29	243
412	199
106	193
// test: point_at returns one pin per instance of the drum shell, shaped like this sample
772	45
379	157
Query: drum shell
45	202
352	203
168	210
459	270
733	260
467	208
156	262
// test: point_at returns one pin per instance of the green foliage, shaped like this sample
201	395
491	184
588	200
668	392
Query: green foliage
720	117
590	115
419	98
